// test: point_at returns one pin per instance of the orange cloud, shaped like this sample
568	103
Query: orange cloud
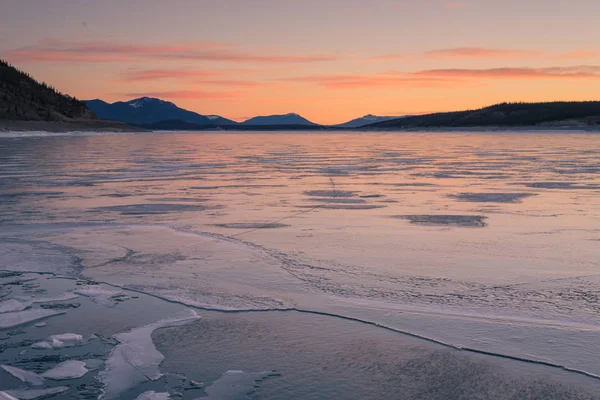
580	54
67	51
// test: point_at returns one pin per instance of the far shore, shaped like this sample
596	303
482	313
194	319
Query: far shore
67	126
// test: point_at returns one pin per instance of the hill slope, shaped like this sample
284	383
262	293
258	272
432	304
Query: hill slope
584	113
284	119
22	98
149	110
362	121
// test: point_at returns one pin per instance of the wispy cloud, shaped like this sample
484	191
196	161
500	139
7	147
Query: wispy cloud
154	74
463	53
388	80
186	94
447	78
574	72
56	50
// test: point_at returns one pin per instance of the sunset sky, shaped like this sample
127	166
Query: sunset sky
328	60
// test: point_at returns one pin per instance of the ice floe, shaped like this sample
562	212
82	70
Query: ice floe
24	376
6	396
235	385
59	341
30	394
61	297
12	319
71	369
12	305
151	395
99	294
135	359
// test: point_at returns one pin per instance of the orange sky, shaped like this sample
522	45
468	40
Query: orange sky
328	60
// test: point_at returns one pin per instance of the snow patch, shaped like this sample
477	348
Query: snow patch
135	359
13	319
212	117
67	370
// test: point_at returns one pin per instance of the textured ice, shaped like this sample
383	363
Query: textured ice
30	394
28	377
135	359
235	385
99	294
59	341
491	197
476	221
12	319
12	305
71	369
152	395
252	225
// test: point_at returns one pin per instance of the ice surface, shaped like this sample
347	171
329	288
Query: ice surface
30	394
59	341
152	395
135	359
25	376
12	305
235	385
99	294
12	319
61	297
71	369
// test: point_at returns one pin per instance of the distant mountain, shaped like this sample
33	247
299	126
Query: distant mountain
149	110
285	119
22	98
545	115
366	120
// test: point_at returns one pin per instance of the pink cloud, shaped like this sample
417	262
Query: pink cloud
580	54
575	72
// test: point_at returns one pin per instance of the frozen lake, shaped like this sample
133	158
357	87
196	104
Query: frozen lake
487	242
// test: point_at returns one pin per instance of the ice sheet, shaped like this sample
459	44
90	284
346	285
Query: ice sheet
30	394
12	305
13	319
135	359
6	396
25	376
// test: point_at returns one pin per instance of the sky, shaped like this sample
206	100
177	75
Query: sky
328	60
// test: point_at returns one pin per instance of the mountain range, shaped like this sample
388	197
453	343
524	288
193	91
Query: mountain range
153	113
